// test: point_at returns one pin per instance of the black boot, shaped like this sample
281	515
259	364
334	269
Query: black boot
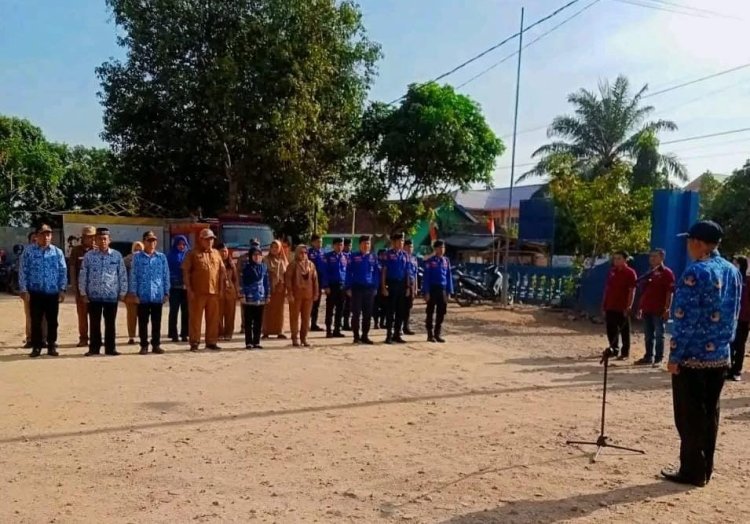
430	336
438	338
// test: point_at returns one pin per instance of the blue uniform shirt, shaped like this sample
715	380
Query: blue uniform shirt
256	288
706	307
316	257
437	273
413	267
363	271
149	277
42	270
397	266
103	276
334	268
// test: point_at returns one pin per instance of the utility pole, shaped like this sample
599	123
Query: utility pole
512	168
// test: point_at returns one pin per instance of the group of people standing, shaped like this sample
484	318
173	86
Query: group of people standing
205	283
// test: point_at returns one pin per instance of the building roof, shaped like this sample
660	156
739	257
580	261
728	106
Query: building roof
695	184
496	198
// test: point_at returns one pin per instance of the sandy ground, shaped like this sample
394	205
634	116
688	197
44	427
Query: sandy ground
471	431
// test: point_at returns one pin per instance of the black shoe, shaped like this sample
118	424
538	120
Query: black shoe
131	342
399	340
281	337
388	340
408	331
346	327
679	478
621	357
27	345
329	334
157	350
174	339
430	338
143	351
264	337
249	346
356	340
258	346
657	363
113	353
367	341
82	344
439	339
35	353
316	328
91	354
213	347
184	339
53	352
194	348
338	334
643	362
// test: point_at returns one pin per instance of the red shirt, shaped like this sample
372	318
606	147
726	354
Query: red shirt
657	286
620	283
745	301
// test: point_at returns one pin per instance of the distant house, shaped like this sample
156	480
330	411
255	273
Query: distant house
486	204
695	184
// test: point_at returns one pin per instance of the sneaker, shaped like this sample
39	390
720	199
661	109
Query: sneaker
737	377
157	350
679	478
643	362
143	351
35	353
657	363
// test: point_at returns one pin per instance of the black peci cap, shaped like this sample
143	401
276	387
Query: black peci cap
102	231
706	231
337	240
397	236
347	241
364	238
438	243
409	242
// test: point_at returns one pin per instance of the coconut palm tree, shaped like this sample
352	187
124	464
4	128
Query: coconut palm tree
608	126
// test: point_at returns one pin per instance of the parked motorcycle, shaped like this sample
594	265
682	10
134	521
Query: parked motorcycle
470	290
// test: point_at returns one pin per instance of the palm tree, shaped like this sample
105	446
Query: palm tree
607	127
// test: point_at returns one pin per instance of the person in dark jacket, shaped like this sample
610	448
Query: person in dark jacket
362	282
178	299
743	323
346	323
256	290
437	286
381	302
332	282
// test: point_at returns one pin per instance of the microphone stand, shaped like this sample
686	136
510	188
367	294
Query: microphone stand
603	441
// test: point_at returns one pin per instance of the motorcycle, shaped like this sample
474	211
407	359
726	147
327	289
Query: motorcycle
470	290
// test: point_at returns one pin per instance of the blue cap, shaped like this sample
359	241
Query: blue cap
706	231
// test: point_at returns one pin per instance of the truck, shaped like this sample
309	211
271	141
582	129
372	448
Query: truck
235	231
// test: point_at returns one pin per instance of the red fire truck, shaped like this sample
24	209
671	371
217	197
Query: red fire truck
235	231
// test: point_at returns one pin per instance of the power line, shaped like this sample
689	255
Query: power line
702	97
711	135
663	8
496	46
691	8
505	59
697	80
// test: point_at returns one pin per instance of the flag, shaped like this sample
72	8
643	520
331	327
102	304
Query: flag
491	225
433	231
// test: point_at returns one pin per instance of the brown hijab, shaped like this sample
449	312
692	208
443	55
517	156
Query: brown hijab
276	263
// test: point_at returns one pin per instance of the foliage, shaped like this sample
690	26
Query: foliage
436	141
607	214
709	188
609	128
234	105
730	209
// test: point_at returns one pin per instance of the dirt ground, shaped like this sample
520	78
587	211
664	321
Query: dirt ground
472	431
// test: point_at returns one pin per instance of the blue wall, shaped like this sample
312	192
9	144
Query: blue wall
673	212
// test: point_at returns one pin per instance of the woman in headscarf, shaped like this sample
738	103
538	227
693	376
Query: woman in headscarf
178	298
228	300
302	290
131	306
273	316
255	292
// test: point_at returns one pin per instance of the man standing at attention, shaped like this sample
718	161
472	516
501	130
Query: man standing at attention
394	283
42	281
437	286
411	293
103	281
76	260
618	303
315	254
362	281
706	306
333	280
656	302
347	308
204	277
149	287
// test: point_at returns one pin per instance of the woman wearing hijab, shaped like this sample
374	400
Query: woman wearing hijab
273	316
131	306
228	300
178	299
302	290
255	291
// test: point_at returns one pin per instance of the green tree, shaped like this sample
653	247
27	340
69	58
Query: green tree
238	104
608	215
730	208
607	128
30	170
709	188
414	155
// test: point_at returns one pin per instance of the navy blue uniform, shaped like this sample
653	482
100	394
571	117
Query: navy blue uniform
397	281
381	301
316	257
333	279
363	280
413	270
437	285
347	299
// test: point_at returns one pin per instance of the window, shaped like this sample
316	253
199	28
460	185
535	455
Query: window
239	235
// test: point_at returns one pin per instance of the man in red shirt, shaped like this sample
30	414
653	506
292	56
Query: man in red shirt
618	303
656	301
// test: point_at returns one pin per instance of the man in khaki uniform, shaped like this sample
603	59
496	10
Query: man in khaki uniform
204	277
76	259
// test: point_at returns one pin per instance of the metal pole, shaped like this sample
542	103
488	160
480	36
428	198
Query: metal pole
512	167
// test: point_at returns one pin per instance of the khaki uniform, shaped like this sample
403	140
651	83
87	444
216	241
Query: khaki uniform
131	306
228	302
203	273
76	259
302	289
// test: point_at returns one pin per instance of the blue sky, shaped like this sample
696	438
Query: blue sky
49	49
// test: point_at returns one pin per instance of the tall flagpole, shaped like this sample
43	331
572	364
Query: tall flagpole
512	168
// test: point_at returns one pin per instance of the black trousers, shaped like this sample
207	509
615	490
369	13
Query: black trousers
178	304
396	307
314	312
407	310
380	310
97	310
334	308
363	301
43	307
695	395
618	326
152	313
436	303
253	323
347	312
738	347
